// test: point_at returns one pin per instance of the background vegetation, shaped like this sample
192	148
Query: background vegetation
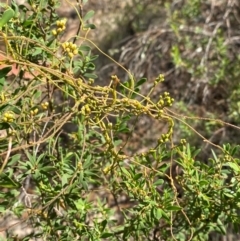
122	132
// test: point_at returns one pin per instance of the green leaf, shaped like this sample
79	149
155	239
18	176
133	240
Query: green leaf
106	235
173	208
85	48
5	71
90	76
137	176
47	168
103	224
14	159
41	157
126	172
204	197
31	158
7	182
27	23
7	15
94	57
221	227
234	166
117	143
90	25
214	156
90	66
158	182
2	210
4	126
37	51
2	81
203	183
228	193
234	150
157	213
65	179
88	15
165	216
140	82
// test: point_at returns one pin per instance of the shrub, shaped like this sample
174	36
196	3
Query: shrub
82	184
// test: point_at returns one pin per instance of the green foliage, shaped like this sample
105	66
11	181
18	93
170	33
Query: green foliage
80	183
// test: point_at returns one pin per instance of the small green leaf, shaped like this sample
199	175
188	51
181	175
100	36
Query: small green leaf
126	172
140	82
90	25
157	213
37	51
204	197
106	235
65	179
117	143
234	150
234	166
228	193
7	15
203	183
158	182
4	126
14	159
84	48
173	208
90	66
88	15
137	176
2	208
90	76
5	71
214	156
2	81
165	216
27	23
94	57
7	182
47	168
221	227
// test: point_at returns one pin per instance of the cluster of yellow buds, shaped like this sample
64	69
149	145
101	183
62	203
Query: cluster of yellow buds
86	110
165	100
45	105
80	166
183	141
70	49
8	117
159	79
164	138
34	112
3	98
61	26
11	132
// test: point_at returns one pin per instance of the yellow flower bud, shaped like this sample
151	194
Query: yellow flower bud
70	55
54	32
59	30
75	52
